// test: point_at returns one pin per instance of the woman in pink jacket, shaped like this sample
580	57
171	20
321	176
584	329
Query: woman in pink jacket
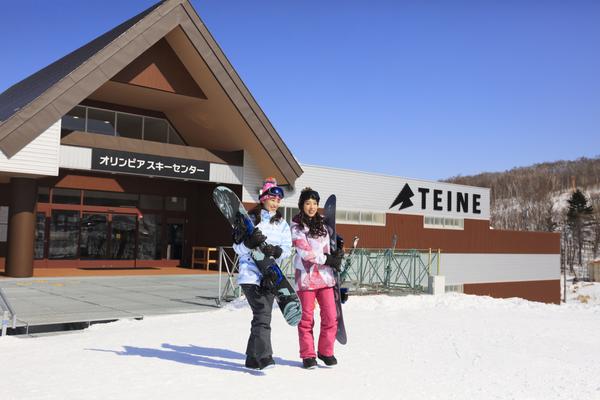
313	265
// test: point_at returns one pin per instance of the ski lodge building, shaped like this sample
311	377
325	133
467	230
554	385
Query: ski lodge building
108	158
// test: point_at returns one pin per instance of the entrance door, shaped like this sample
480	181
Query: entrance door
123	230
175	238
93	242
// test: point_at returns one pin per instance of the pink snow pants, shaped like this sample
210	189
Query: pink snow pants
328	322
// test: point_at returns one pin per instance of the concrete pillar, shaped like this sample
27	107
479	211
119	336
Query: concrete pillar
437	284
21	227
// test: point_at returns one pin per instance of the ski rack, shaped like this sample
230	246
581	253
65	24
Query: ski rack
8	313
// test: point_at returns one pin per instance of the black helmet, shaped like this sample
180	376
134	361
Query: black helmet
306	194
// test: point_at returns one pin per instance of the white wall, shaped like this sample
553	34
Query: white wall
484	268
253	179
40	157
364	191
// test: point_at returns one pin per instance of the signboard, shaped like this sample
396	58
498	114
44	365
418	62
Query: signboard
438	198
150	165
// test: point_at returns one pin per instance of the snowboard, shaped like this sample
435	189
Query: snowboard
329	219
233	210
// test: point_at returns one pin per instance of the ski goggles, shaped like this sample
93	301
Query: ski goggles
273	191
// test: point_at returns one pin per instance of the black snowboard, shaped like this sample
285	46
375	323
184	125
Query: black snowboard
330	221
232	209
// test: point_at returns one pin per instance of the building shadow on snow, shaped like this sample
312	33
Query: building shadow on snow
208	357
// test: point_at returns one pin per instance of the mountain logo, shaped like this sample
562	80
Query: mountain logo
403	198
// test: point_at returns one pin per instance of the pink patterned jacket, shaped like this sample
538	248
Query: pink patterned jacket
310	271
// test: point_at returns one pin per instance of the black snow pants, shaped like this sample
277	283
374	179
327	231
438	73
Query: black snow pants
261	303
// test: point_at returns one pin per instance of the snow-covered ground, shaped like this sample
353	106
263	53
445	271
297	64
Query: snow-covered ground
583	292
416	347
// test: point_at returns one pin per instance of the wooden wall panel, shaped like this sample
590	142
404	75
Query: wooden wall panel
476	237
542	291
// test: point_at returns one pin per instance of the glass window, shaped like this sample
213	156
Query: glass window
174	137
291	212
94	236
340	215
109	199
64	234
129	126
74	120
174	203
66	196
156	129
40	235
353	216
43	195
366	217
150	202
101	121
149	237
379	218
122	239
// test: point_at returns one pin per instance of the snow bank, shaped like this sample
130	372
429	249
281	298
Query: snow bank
416	347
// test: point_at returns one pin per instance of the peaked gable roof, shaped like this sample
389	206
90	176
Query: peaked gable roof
24	92
32	105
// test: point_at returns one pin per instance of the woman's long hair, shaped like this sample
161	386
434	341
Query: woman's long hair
315	225
255	214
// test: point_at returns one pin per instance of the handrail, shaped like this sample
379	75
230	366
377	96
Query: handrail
6	310
230	266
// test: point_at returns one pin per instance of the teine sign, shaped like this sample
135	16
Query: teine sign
433	198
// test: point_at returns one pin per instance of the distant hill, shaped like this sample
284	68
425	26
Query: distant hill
535	198
537	181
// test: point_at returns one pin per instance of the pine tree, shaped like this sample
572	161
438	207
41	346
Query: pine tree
579	215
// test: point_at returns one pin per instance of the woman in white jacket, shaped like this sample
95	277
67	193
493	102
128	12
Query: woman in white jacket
272	230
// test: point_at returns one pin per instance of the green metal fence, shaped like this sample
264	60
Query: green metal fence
363	270
387	269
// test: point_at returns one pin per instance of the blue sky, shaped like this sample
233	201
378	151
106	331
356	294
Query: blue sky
421	89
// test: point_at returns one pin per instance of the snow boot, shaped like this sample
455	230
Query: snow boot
252	363
329	361
266	363
309	363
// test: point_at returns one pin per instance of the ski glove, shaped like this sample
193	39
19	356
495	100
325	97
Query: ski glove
334	260
268	284
239	229
255	239
272	251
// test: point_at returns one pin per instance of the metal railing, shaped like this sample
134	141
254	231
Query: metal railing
229	265
390	269
363	270
7	313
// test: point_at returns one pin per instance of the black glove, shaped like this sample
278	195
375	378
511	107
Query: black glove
239	229
334	260
339	242
272	251
255	239
268	282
